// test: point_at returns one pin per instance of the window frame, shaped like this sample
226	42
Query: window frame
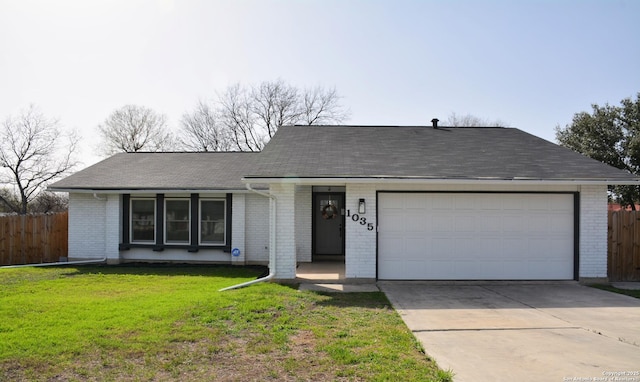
166	225
159	243
154	220
201	220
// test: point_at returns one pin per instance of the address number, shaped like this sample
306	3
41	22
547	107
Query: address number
362	220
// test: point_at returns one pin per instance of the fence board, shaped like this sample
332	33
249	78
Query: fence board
623	249
33	239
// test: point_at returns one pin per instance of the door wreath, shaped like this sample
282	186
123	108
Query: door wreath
329	212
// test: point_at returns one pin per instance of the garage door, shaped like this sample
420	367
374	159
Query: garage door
475	236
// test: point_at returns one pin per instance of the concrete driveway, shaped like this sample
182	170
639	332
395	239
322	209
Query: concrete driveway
523	331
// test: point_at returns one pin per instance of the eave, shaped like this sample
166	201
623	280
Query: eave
333	180
149	190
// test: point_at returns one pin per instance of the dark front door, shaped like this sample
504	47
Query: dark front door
328	224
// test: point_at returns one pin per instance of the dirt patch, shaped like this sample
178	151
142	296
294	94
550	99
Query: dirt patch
231	360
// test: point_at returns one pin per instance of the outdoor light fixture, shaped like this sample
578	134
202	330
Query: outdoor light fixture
361	206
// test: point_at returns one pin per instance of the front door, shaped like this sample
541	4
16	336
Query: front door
328	224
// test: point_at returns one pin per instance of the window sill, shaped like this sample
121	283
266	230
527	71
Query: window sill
160	248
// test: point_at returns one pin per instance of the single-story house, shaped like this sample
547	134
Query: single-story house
392	202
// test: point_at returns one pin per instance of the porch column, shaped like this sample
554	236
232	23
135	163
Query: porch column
285	231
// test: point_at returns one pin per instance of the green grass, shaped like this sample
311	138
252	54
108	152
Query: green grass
628	292
171	323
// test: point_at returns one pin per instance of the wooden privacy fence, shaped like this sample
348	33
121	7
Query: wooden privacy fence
623	252
32	239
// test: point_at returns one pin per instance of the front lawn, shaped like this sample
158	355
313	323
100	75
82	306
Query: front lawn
164	323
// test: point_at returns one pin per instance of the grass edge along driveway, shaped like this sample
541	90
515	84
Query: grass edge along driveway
170	323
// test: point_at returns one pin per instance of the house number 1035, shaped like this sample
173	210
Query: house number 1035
362	220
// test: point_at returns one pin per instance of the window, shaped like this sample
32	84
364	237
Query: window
177	221
143	219
212	222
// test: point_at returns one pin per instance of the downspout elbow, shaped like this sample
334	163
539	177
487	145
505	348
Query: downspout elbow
95	195
272	245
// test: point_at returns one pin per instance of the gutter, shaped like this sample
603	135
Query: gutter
337	180
272	243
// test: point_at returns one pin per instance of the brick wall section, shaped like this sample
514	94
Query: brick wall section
113	227
95	231
303	223
360	243
593	232
256	228
95	228
238	228
285	231
87	225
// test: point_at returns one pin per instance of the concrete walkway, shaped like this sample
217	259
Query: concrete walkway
339	288
523	331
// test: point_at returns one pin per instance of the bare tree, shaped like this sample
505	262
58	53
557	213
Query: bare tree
32	155
236	109
251	115
8	201
48	202
468	120
322	106
275	104
135	128
203	130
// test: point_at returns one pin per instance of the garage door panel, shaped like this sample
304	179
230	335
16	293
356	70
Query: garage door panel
394	222
512	203
416	222
465	223
442	222
492	223
441	202
510	224
475	236
414	201
465	203
560	225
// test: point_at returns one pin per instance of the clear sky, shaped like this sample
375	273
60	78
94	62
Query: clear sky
531	64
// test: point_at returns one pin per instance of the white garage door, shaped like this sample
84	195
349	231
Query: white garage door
475	236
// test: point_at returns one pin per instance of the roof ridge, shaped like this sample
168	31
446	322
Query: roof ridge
407	126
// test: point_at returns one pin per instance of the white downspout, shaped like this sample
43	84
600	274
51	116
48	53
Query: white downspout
272	243
103	260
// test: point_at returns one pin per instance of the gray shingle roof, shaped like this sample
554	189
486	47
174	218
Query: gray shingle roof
164	171
352	152
424	152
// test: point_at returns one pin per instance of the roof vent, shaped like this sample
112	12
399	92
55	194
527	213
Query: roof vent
435	122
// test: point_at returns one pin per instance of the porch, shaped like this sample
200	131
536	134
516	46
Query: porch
330	272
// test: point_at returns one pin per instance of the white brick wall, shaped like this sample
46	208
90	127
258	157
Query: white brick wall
95	228
95	231
360	243
238	228
113	227
593	232
285	231
87	227
303	223
257	229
